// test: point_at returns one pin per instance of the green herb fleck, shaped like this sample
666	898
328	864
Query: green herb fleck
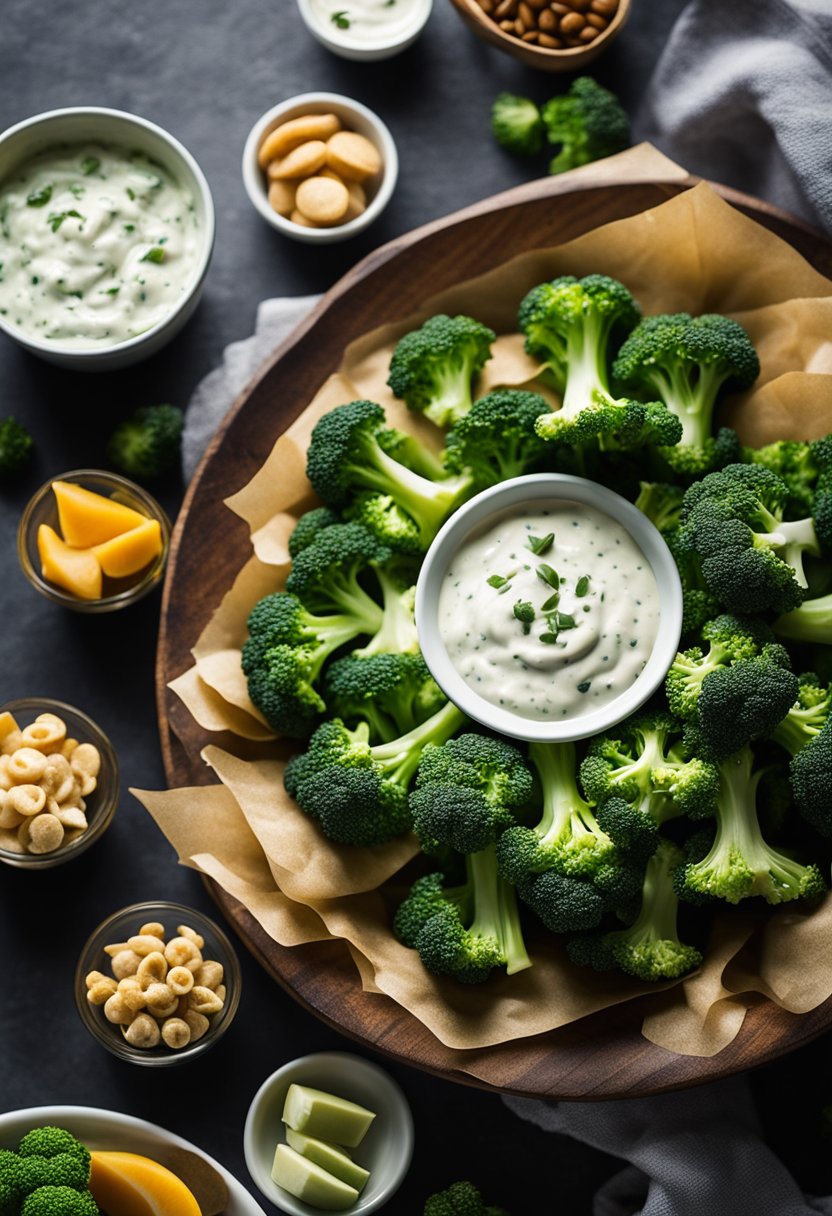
56	218
156	254
540	544
35	280
89	165
129	227
582	586
496	580
549	638
341	19
550	604
77	190
547	575
39	198
565	621
131	194
584	686
112	291
525	614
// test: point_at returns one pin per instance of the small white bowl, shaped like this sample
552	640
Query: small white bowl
373	45
521	491
385	1151
95	124
355	117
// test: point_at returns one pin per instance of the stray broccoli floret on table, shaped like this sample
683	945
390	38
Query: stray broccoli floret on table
686	362
347	458
740	863
59	1201
517	125
806	718
147	444
810	775
730	638
460	1199
467	791
393	693
650	948
751	558
588	122
566	867
309	525
433	367
497	439
465	932
570	325
16	447
357	792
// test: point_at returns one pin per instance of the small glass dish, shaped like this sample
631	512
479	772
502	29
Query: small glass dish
385	1151
126	924
100	804
43	509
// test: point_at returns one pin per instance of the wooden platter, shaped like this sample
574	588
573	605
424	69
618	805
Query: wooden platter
599	1057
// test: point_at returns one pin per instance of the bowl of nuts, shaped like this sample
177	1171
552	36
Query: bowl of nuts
553	35
157	984
320	167
58	783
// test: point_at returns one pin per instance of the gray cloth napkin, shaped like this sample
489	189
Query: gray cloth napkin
742	94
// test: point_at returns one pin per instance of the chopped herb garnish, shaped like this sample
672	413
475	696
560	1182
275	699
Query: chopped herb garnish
584	686
496	580
56	218
548	575
156	254
112	291
582	586
541	544
525	614
551	603
39	198
340	19
131	194
77	190
565	621
129	227
549	638
89	165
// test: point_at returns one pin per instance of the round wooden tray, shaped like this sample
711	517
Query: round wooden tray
603	1056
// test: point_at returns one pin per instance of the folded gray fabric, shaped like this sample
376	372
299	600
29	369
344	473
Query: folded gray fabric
696	1153
742	94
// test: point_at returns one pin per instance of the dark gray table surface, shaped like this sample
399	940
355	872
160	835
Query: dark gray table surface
206	71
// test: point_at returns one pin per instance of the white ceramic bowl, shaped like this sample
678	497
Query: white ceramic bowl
355	117
385	1151
81	124
472	516
110	1131
370	46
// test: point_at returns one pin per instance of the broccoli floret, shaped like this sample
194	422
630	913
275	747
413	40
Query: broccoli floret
751	559
50	1141
811	622
62	1169
685	362
741	702
147	444
309	525
325	574
467	791
794	461
496	440
807	717
566	867
699	604
16	447
646	764
59	1201
346	458
356	792
661	503
433	367
516	124
569	324
810	774
731	638
393	693
460	1199
588	122
740	863
650	948
471	931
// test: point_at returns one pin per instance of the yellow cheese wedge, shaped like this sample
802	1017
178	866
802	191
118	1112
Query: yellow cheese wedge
129	1185
88	519
75	570
132	551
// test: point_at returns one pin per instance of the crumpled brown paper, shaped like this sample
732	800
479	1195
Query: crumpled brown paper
693	253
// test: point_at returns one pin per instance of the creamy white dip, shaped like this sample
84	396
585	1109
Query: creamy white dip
97	245
366	21
594	601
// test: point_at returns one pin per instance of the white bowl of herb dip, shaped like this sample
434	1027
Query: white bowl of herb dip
106	233
365	30
548	608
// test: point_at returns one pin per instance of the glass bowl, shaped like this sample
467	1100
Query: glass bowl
101	803
119	928
43	509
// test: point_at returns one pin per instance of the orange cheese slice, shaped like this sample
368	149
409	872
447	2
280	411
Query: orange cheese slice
131	551
75	570
126	1184
88	519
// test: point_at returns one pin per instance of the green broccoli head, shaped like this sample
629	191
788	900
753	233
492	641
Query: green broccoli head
309	525
59	1201
49	1141
742	702
393	693
589	123
62	1169
517	125
795	462
563	904
730	638
147	444
497	440
807	717
16	447
460	1199
433	367
810	775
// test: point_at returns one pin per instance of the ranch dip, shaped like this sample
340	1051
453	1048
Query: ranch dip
97	245
549	611
366	21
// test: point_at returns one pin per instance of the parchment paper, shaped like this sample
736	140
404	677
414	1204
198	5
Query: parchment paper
693	253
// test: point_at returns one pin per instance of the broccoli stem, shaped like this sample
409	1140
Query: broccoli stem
428	502
797	729
495	909
566	816
811	622
401	756
397	633
790	539
585	363
657	918
345	590
692	401
452	395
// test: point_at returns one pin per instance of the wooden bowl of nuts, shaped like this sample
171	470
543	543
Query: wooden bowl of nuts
552	35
